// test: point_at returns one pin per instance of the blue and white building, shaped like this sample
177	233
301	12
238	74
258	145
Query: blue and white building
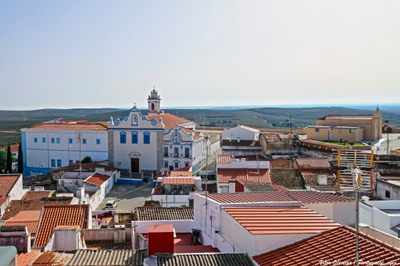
57	143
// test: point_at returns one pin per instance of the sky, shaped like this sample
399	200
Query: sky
72	54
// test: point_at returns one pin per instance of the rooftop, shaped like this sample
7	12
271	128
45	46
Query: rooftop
311	176
180	173
75	126
306	197
16	206
289	178
97	179
126	257
107	245
338	244
52	259
7	182
14	148
26	259
226	175
179	180
164	213
251	129
216	259
313	163
347	116
280	220
87	166
169	120
36	195
56	215
28	218
279	162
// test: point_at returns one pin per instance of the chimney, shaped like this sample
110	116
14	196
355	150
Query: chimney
80	193
161	239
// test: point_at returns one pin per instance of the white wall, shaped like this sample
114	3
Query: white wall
16	193
380	235
239	132
172	200
340	212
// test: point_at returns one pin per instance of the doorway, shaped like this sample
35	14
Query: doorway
135	165
330	135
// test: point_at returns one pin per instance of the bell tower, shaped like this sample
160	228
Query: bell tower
154	103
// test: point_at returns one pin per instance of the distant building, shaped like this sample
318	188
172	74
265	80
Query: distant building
350	127
58	143
241	140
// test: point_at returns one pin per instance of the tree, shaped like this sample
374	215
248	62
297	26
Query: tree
87	159
20	159
3	160
9	160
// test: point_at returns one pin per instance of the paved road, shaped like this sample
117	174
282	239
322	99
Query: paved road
128	197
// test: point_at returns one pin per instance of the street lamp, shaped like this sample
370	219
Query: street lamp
356	185
387	136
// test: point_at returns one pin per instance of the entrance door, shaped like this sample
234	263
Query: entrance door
330	135
135	165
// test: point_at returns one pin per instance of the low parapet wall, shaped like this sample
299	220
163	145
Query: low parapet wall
331	146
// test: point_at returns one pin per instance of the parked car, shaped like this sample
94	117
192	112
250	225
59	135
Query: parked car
111	205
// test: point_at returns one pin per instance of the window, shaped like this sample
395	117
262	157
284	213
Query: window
83	141
98	142
187	152
146	137
387	194
152	106
176	152
165	151
176	165
317	130
43	140
53	162
58	162
134	138
186	164
122	137
166	164
53	140
35	140
58	140
351	131
70	141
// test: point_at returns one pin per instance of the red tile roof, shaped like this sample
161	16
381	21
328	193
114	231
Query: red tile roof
169	120
88	126
313	163
276	163
337	244
56	215
3	199
7	182
226	175
280	220
16	206
28	218
14	148
36	195
179	180
26	259
97	179
224	159
278	188
306	197
180	173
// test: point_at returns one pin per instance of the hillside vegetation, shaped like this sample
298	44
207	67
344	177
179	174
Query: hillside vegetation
12	121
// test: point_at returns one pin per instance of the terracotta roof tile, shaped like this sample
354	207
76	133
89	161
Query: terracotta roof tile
337	244
280	220
71	126
28	218
16	206
14	148
97	179
311	176
60	215
279	162
313	163
3	199
179	180
180	173
26	259
230	174
164	213
36	195
224	159
7	182
169	120
307	197
52	259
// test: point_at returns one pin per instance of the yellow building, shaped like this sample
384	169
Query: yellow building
354	128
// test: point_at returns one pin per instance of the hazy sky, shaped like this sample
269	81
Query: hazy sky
110	53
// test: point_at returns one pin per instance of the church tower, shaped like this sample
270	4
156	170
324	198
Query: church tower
154	103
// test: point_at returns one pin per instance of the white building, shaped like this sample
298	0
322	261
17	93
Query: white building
57	143
241	140
159	141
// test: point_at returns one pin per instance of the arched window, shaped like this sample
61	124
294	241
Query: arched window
146	137
152	106
122	137
134	137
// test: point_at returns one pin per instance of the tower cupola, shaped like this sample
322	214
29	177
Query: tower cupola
154	103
